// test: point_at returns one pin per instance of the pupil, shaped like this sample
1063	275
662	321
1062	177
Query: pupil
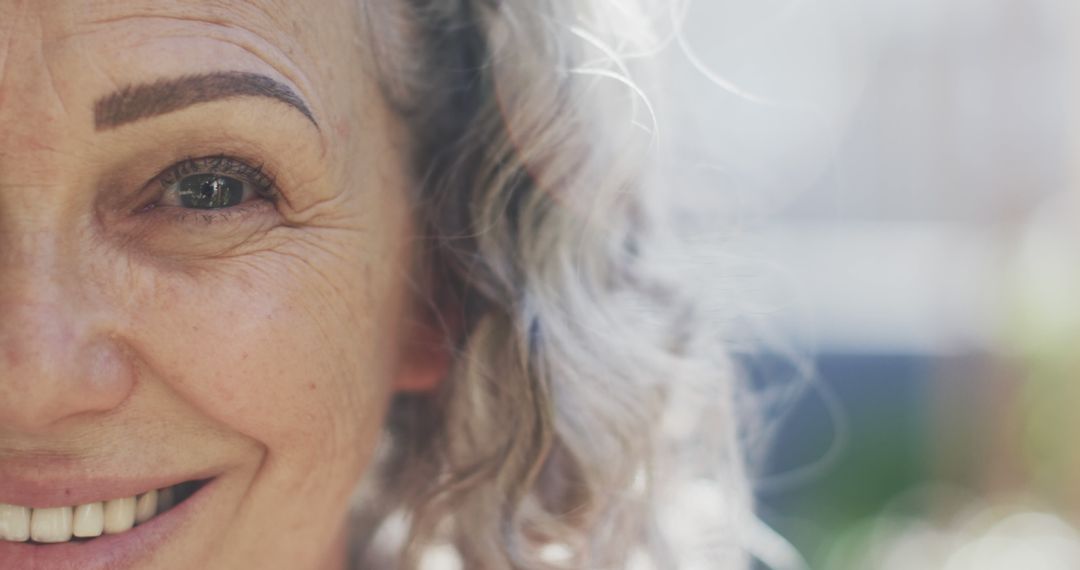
209	189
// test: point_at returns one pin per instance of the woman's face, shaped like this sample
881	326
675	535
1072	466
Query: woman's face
204	258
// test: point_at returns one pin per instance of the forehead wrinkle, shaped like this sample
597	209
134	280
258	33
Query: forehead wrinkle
33	88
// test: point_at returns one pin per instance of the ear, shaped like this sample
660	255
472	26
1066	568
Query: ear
427	350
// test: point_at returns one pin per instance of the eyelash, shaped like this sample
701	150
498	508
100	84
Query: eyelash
262	183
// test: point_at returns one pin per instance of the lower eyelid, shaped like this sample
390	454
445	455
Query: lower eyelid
182	215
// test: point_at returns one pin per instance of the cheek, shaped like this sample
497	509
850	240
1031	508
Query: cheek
291	354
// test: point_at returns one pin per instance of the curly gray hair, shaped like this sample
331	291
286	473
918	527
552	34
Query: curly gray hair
588	398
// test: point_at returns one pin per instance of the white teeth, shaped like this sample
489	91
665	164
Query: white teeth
89	520
60	524
14	523
146	507
51	525
119	515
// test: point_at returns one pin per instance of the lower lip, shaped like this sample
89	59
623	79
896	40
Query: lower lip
107	552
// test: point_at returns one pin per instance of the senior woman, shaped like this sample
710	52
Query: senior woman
257	255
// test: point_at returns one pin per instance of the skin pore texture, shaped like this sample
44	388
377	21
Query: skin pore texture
258	344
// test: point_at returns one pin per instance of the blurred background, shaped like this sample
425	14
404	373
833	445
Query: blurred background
898	180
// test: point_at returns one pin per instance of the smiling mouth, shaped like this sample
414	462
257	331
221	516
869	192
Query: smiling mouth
84	523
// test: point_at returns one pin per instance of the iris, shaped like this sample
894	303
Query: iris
210	191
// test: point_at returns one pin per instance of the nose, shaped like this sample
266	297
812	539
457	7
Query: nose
58	359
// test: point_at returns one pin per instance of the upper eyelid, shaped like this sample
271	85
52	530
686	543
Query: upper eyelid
221	164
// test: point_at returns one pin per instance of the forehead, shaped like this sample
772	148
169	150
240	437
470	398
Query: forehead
290	25
254	13
280	32
308	35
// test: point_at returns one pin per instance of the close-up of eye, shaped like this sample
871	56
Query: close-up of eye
214	183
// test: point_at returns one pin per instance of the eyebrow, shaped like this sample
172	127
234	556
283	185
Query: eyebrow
137	102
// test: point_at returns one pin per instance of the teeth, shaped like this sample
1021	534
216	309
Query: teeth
60	524
119	515
14	523
89	520
51	525
146	507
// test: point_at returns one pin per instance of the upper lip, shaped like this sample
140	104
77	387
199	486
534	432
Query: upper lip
39	489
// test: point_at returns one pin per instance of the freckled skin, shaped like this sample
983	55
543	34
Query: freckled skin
265	346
